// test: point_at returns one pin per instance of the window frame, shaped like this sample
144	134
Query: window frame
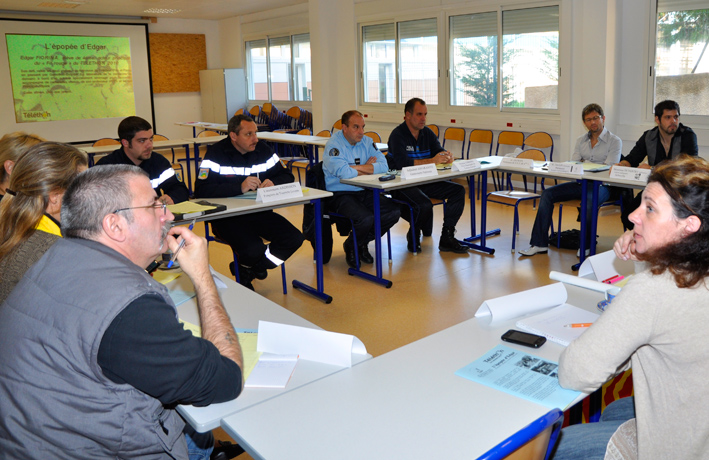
291	80
698	121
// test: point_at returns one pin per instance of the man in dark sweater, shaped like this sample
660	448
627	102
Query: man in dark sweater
136	137
236	165
413	143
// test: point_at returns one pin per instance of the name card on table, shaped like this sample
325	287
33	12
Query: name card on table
627	173
527	163
414	172
569	168
279	192
466	165
311	344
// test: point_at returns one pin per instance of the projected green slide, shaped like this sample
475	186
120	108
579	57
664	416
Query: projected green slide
70	77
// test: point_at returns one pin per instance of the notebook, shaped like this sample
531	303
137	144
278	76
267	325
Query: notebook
191	209
550	324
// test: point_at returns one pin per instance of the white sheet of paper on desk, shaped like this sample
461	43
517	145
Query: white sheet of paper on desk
272	371
466	165
527	163
413	172
279	192
311	344
523	303
580	282
627	173
600	266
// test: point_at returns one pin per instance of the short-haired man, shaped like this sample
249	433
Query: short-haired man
348	154
238	164
667	140
413	143
94	359
136	136
598	145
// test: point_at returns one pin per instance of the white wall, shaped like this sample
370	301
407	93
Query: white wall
174	107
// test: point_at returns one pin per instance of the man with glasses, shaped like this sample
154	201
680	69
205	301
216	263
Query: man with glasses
136	137
598	145
667	140
92	343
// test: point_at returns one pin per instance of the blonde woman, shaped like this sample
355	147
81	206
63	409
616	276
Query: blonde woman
30	212
12	146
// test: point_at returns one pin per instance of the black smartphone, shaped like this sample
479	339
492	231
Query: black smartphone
387	177
524	338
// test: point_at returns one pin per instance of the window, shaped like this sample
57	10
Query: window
408	49
530	58
473	79
418	60
378	63
505	59
257	70
278	69
682	59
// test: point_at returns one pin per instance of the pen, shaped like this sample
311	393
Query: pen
578	325
182	244
613	279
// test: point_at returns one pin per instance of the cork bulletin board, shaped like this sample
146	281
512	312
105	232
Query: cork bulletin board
176	60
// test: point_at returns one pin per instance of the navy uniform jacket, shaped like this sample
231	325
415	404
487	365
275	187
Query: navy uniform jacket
162	176
224	168
404	148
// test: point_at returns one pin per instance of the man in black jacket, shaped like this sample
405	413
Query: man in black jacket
666	141
237	165
136	137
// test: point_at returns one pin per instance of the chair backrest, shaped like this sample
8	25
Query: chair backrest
324	133
159	137
336	125
435	129
540	140
305	132
375	136
239	112
514	138
267	108
294	112
255	111
534	154
455	134
106	141
480	136
533	442
208	133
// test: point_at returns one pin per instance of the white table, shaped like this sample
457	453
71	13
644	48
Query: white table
372	182
239	206
245	309
406	404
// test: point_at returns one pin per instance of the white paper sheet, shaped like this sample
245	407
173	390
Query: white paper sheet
523	303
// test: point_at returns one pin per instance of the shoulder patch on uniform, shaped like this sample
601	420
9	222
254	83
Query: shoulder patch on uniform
334	152
203	173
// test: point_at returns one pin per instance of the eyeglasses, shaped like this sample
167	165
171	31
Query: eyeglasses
589	120
156	205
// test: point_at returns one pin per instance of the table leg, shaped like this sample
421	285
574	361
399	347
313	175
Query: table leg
377	246
484	233
187	165
591	229
319	292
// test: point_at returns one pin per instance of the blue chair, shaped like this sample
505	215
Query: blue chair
209	238
533	442
513	197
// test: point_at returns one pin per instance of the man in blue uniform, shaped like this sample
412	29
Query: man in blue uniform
413	143
238	164
349	154
136	137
